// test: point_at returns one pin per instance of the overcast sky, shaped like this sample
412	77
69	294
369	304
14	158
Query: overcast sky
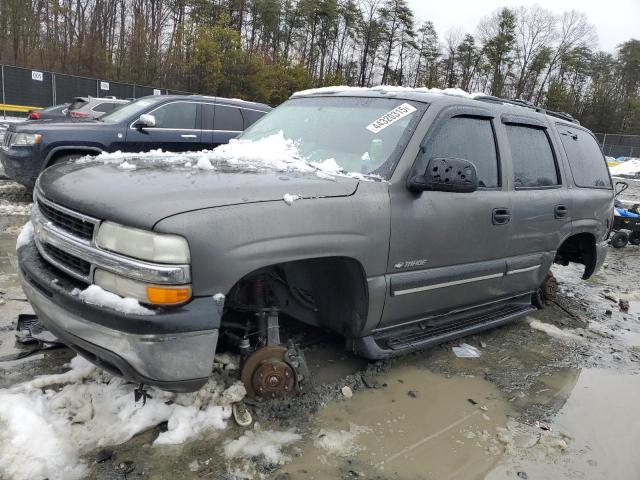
616	20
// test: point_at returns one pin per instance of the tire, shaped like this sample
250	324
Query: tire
545	293
619	240
634	238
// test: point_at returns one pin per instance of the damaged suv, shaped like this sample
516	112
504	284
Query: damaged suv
396	218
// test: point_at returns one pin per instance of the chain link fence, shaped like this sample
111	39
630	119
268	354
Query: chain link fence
615	145
24	89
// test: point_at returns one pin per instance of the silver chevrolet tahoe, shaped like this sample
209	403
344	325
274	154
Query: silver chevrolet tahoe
456	211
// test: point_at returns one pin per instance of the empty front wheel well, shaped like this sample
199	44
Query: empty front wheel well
579	248
328	292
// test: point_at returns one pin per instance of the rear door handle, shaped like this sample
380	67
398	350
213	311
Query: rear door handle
501	216
560	211
188	136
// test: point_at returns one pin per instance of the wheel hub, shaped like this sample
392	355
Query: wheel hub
266	374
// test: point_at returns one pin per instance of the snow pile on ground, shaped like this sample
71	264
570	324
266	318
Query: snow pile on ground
25	236
265	444
630	167
274	152
457	92
95	295
554	331
340	443
8	208
44	433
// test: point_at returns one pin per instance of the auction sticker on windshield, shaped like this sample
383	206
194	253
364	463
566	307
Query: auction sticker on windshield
391	117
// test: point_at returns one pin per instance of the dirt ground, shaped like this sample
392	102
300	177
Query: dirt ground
552	396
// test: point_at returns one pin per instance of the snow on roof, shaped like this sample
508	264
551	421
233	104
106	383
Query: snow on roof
388	89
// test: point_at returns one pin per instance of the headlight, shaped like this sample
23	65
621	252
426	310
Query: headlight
25	139
143	292
143	244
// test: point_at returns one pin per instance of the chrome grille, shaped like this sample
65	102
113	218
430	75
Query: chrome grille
70	223
77	265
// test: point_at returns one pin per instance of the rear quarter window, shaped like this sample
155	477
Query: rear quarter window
534	163
586	161
228	119
251	116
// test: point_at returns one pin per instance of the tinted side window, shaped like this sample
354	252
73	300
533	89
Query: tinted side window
470	139
178	115
587	163
251	117
534	164
228	118
105	107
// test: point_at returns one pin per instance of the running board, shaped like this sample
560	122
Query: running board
427	334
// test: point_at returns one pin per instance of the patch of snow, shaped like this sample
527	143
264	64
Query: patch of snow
630	167
267	444
457	92
273	152
9	119
553	331
228	360
127	166
96	295
289	199
341	443
464	350
203	163
219	298
328	166
8	208
91	409
25	236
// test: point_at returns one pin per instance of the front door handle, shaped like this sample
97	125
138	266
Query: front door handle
501	216
188	136
560	211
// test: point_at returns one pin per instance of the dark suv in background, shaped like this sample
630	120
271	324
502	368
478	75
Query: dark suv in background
174	123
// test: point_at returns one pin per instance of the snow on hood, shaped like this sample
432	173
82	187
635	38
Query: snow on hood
44	431
388	89
274	152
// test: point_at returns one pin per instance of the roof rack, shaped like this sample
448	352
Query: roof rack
524	103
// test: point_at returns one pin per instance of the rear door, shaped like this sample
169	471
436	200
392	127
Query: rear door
448	249
542	205
588	167
177	129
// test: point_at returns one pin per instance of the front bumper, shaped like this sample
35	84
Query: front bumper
21	164
172	350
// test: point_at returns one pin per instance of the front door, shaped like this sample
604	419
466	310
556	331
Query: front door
448	250
177	129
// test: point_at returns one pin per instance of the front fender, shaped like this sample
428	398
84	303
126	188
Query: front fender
230	242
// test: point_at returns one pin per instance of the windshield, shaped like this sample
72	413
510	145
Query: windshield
363	135
128	110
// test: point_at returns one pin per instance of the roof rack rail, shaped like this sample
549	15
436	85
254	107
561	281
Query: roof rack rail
524	103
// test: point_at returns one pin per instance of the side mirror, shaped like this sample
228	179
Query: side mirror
145	121
447	175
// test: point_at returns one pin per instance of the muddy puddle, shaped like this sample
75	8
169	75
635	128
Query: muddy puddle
420	425
599	425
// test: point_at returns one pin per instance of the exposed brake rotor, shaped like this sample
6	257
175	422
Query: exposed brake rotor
267	374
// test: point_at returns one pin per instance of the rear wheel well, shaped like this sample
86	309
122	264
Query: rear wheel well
578	248
329	292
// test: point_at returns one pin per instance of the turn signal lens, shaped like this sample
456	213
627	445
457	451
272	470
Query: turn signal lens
158	295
